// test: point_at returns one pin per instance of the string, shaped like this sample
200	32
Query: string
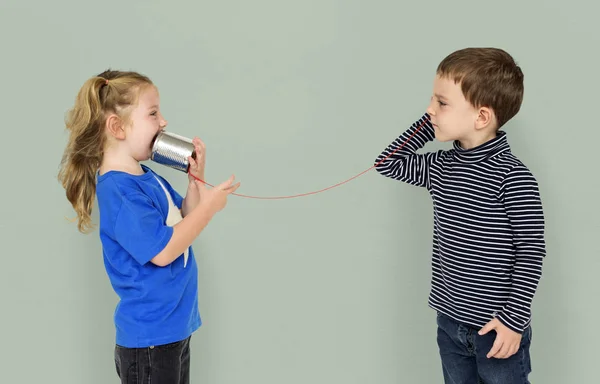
324	189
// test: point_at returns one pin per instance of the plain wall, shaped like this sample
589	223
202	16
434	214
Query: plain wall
292	97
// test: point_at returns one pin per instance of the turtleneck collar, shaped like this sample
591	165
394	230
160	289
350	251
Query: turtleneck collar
493	147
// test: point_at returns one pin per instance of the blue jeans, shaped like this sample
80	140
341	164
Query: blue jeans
463	352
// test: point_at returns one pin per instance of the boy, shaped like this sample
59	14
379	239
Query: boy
488	238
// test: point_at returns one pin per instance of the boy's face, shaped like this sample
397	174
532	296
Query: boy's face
452	116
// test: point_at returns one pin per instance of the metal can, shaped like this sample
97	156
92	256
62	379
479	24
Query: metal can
172	150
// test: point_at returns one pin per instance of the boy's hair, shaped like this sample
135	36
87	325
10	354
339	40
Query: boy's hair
109	92
489	77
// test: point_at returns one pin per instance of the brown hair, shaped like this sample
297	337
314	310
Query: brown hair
489	77
101	95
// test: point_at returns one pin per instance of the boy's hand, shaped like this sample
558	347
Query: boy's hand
507	341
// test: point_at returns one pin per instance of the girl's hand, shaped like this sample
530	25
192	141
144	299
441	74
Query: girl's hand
197	166
192	197
215	198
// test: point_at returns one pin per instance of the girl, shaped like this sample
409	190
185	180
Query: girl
146	228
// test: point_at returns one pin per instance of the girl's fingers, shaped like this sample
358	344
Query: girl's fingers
192	162
199	146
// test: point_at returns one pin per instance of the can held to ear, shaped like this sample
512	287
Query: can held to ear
172	150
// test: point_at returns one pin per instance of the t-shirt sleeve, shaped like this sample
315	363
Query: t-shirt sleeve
140	228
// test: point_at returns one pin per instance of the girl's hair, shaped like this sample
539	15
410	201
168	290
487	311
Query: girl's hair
101	95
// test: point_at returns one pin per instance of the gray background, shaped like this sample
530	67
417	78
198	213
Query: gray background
292	96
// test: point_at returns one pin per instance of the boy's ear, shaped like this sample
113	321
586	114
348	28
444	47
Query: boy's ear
485	118
115	128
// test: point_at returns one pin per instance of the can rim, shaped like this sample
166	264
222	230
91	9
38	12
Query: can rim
155	143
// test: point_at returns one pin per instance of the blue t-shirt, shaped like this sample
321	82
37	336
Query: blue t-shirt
158	305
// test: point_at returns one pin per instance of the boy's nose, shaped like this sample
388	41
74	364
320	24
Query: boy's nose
430	107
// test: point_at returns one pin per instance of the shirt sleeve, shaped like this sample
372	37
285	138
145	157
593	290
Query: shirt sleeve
523	205
400	160
140	228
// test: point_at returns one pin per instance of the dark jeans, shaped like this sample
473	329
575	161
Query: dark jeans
160	364
463	352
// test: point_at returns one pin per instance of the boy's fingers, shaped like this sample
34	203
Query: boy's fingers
504	351
514	350
495	348
486	328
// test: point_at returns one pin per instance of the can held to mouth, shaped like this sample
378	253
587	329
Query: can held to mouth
172	150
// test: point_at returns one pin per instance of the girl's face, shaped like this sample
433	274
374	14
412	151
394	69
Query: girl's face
145	122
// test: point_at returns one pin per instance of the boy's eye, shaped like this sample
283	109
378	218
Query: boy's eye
154	113
441	103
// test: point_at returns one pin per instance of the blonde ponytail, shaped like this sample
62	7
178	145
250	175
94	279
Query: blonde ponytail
109	92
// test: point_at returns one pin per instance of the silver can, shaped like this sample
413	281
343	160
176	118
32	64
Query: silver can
172	150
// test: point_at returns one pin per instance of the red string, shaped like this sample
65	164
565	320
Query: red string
324	189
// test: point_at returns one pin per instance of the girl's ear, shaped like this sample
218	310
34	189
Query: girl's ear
115	128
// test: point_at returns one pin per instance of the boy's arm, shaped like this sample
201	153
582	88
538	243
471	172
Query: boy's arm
521	198
405	164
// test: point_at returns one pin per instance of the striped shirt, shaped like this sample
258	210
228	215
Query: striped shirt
488	234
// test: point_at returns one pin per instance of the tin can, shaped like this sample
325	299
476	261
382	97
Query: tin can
172	150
